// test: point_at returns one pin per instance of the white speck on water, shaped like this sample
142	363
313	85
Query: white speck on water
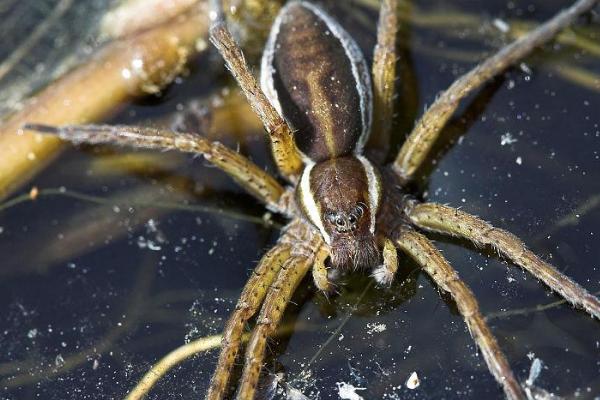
413	381
507	138
59	361
32	333
95	365
373	327
525	68
1	230
519	160
534	371
347	391
501	25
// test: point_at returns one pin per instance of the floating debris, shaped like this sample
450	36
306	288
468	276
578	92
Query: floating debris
34	193
413	381
507	138
347	391
501	25
373	327
534	371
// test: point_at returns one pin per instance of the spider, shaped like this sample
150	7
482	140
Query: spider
328	121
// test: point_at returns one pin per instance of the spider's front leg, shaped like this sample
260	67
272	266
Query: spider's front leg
418	144
249	302
247	174
435	265
454	222
276	300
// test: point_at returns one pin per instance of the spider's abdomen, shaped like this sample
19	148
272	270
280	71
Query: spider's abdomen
316	77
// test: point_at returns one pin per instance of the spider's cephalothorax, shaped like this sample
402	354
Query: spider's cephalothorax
316	77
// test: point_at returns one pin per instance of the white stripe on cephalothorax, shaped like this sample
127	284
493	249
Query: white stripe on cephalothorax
360	71
374	182
311	209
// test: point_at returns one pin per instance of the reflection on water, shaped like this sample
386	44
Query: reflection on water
97	288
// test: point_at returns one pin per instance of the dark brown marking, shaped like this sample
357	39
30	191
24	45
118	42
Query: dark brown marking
315	84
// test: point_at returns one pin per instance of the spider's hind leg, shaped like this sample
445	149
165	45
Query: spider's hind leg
418	247
454	222
384	75
280	134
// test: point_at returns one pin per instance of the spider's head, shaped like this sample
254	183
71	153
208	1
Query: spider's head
341	197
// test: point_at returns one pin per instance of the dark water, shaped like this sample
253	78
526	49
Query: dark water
95	290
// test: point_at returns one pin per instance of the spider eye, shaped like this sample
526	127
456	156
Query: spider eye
360	209
339	221
352	219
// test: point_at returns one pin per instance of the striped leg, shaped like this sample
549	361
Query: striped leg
283	147
435	265
250	176
451	221
250	300
384	74
426	131
279	295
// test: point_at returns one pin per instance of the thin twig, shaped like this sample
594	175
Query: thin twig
151	203
527	310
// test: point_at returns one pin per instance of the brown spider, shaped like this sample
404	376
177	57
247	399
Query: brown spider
344	204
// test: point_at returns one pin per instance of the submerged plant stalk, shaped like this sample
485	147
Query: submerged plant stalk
124	69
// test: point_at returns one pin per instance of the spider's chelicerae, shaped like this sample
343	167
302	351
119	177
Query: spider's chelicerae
328	119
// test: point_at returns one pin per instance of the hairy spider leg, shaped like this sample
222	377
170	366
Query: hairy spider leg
418	247
450	221
420	141
280	135
247	174
278	297
248	304
384	75
271	313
